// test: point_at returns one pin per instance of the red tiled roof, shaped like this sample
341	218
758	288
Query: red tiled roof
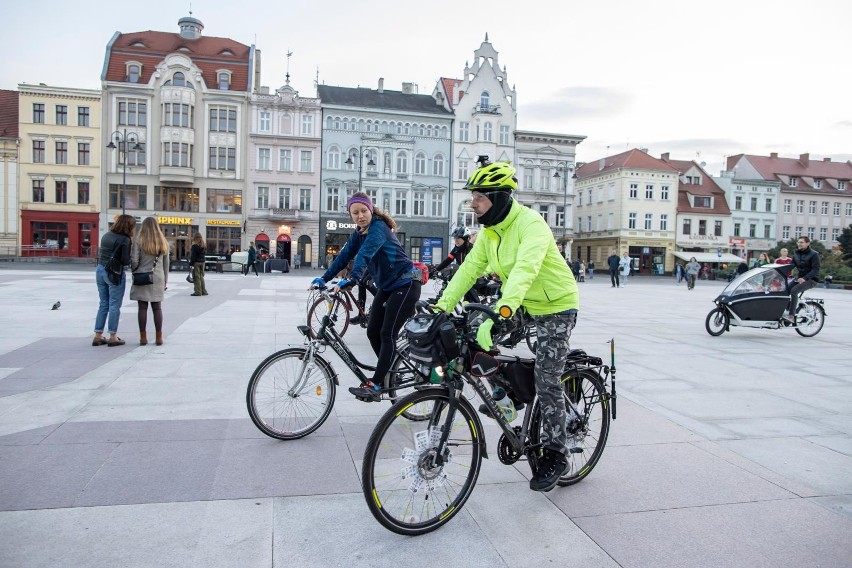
634	158
8	114
205	52
450	85
772	168
708	186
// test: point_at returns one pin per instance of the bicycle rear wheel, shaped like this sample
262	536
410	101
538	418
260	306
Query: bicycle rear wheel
810	317
288	396
588	431
406	491
323	307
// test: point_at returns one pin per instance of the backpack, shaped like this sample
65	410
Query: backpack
432	340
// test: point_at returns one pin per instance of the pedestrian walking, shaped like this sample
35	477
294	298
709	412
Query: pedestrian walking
692	270
624	266
252	261
591	269
679	273
196	259
612	261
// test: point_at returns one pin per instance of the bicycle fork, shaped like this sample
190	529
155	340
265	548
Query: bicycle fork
305	370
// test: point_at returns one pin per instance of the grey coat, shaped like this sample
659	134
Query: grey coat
143	262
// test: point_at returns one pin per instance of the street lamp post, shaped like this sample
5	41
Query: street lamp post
564	177
119	139
361	156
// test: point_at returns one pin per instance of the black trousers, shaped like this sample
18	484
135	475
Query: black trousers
613	275
388	313
796	290
249	266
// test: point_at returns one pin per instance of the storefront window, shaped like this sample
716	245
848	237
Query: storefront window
224	201
176	198
223	241
50	235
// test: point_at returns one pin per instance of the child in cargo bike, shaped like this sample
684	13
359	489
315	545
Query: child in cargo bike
374	245
519	246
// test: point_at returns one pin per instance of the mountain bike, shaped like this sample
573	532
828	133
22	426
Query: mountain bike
416	476
292	392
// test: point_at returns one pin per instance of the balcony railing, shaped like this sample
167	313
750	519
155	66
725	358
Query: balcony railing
489	109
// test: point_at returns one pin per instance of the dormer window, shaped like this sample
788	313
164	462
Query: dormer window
793	181
841	185
134	71
701	201
179	79
184	49
138	44
224	80
226	52
817	184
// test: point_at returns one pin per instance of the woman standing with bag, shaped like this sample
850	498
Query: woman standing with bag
113	256
196	259
149	261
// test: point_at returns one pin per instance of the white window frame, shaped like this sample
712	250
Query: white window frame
262	197
285	160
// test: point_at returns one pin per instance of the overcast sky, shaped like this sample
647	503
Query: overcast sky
701	80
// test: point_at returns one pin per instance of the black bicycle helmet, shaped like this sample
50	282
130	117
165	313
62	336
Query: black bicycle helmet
461	233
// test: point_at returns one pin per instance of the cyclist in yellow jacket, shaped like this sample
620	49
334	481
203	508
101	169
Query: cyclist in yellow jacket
518	245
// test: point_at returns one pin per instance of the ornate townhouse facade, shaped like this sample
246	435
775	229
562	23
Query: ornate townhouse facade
485	109
813	196
59	183
282	205
755	205
396	147
546	165
703	220
9	148
175	113
627	202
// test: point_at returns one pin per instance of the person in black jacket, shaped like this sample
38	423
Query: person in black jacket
806	262
113	256
613	262
458	254
196	260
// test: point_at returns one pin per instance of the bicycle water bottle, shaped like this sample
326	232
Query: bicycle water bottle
504	403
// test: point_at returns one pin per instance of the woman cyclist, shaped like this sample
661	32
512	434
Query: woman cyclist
458	254
374	245
518	245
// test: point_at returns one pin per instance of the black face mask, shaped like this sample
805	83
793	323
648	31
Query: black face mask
501	204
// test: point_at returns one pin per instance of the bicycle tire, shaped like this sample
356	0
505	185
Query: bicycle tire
400	484
716	322
321	307
282	415
586	388
818	318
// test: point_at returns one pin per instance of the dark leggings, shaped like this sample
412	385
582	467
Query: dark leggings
142	316
390	310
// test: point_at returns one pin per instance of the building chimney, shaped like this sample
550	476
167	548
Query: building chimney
805	159
664	157
826	159
601	164
381	84
643	150
408	88
774	155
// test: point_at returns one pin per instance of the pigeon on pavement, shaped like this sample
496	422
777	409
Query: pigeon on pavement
56	305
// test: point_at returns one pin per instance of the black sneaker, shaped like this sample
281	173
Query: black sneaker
550	468
369	392
357	320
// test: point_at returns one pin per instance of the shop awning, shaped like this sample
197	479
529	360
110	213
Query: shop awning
709	257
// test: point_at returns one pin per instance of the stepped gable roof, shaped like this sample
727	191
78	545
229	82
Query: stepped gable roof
209	53
8	114
634	158
389	100
707	187
774	168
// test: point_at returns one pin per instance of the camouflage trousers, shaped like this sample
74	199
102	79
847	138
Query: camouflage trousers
553	333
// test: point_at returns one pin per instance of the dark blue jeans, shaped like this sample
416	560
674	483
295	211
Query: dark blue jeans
111	295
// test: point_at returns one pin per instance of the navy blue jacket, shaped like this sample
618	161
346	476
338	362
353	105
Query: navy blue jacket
378	249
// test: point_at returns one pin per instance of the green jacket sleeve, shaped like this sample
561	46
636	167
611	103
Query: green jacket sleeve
530	256
466	275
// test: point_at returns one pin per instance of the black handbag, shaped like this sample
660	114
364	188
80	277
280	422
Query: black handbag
114	269
145	278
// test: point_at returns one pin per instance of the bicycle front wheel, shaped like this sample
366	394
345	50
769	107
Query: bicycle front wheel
409	488
290	394
323	307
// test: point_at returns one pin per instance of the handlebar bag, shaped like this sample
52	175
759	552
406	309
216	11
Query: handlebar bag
431	339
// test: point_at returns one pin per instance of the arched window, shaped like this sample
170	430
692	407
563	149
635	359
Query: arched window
401	162
445	132
407	129
484	100
333	158
337	123
134	70
179	80
420	163
362	126
224	80
386	166
345	124
421	130
329	122
438	165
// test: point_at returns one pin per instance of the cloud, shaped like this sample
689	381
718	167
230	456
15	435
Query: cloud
842	124
578	102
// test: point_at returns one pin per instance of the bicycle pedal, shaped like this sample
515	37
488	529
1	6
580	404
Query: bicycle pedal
575	450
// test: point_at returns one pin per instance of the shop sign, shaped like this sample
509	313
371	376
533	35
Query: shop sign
223	222
737	242
332	225
706	241
174	220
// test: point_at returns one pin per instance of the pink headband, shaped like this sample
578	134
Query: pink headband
360	199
